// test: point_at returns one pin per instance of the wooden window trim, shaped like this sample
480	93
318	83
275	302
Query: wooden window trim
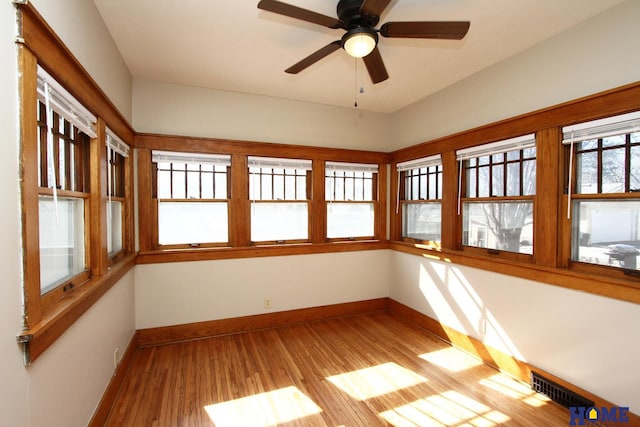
550	262
240	244
47	316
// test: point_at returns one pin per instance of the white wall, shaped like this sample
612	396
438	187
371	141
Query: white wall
13	393
82	30
177	293
590	341
597	55
189	111
64	386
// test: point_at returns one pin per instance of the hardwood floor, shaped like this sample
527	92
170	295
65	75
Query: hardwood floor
367	370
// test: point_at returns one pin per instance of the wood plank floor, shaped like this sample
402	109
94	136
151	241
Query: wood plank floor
367	370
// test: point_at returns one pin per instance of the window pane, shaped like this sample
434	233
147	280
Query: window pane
634	174
350	220
529	177
178	185
61	240
613	170
422	221
587	169
606	232
483	182
279	221
513	179
506	226
114	227
497	178
192	222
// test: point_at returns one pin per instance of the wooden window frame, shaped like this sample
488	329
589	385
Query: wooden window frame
493	197
374	200
240	244
405	198
567	223
551	260
47	316
156	202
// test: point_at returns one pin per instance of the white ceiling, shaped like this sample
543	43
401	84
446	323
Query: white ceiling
232	45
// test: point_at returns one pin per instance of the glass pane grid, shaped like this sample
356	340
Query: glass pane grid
510	174
423	183
608	165
191	181
277	184
349	186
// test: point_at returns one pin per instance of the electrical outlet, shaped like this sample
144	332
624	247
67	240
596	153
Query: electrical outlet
267	303
115	358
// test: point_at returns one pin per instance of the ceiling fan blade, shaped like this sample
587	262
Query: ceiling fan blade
375	66
454	30
299	13
374	7
314	57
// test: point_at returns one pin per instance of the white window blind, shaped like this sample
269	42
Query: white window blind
57	98
351	167
423	162
197	158
602	128
276	163
517	143
116	144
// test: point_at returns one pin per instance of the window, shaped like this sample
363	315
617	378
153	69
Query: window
420	198
350	192
279	190
64	131
117	152
499	186
603	191
192	193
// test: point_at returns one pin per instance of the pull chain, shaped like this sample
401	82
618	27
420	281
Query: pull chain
355	84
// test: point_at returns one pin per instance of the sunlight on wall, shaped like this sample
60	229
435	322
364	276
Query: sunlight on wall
375	381
446	409
264	409
456	304
452	359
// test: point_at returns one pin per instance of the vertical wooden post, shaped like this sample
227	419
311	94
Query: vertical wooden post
451	221
98	202
145	202
240	220
547	201
318	215
28	87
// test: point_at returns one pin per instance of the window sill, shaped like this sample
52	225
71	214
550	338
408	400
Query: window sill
611	287
203	254
60	316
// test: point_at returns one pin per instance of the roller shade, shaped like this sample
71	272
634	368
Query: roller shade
116	144
351	167
602	128
195	158
57	98
424	162
277	163
517	143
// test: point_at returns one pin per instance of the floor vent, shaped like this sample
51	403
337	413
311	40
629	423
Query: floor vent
558	393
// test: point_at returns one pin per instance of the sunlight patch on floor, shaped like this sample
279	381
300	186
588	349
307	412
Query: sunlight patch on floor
451	359
375	381
264	409
514	389
446	409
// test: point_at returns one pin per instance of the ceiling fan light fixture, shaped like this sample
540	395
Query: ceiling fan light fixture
359	42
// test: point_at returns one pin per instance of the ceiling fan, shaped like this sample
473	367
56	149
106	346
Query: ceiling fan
359	18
